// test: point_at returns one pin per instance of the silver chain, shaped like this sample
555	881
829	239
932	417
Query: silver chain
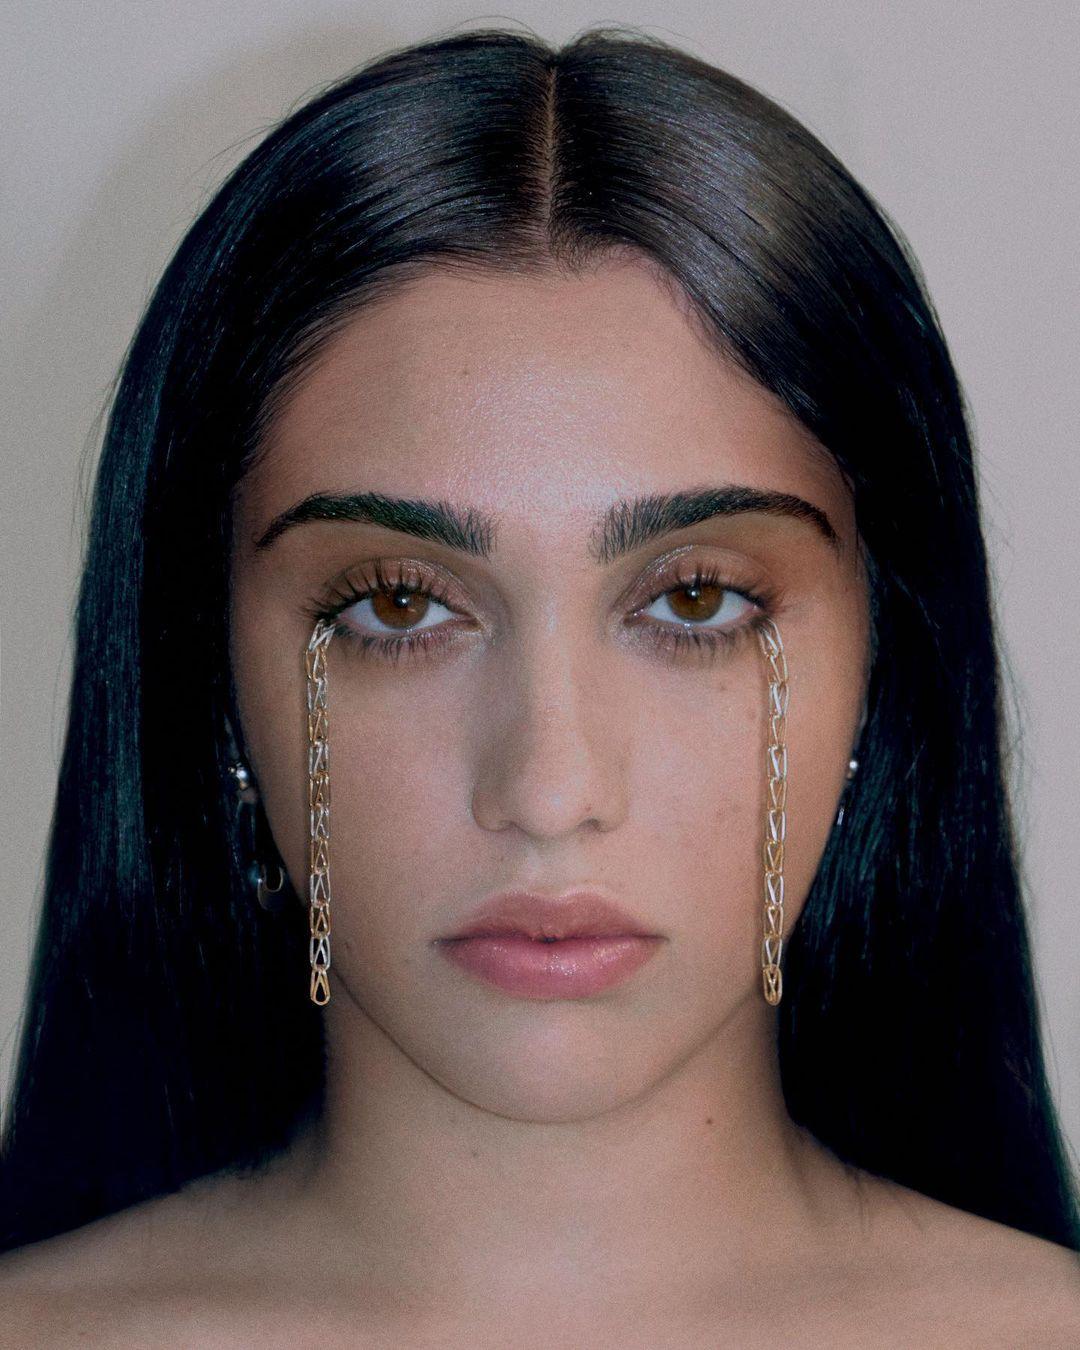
319	804
775	815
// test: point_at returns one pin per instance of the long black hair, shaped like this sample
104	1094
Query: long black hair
168	1032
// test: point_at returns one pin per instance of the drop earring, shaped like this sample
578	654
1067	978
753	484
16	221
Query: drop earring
271	898
775	814
319	811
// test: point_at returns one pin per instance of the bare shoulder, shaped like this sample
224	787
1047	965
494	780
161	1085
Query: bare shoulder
131	1278
997	1284
147	1240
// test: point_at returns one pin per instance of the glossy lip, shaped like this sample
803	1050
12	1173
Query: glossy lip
543	947
534	915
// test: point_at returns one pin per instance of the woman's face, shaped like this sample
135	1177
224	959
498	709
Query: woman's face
545	731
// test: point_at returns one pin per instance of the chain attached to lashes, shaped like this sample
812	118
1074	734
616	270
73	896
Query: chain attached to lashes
775	813
319	811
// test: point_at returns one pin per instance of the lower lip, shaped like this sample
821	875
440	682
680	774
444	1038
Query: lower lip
569	968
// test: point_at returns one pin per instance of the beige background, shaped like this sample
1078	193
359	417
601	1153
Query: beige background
119	118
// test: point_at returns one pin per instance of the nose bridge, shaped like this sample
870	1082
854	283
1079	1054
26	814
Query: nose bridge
553	758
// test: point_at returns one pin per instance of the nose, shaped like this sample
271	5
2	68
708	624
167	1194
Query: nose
554	752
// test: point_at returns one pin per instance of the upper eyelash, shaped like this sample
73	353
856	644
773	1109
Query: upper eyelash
339	598
667	636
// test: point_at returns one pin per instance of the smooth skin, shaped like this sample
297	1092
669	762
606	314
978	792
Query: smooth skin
492	1171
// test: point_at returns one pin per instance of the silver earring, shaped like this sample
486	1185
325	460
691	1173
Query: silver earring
271	898
852	769
245	789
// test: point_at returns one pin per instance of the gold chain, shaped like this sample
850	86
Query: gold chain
775	816
319	804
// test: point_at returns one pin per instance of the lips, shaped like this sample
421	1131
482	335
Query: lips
542	947
551	918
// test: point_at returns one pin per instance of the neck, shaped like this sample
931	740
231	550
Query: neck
699	1178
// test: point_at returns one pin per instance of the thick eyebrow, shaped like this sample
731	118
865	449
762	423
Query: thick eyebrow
623	527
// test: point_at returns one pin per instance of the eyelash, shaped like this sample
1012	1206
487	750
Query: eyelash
670	639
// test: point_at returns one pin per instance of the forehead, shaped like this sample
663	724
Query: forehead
536	397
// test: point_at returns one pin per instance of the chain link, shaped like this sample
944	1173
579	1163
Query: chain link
775	815
319	804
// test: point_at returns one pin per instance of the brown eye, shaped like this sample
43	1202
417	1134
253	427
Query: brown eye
701	603
399	607
696	602
700	613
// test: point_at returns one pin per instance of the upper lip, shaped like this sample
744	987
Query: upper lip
576	914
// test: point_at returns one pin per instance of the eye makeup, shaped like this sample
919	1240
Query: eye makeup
405	592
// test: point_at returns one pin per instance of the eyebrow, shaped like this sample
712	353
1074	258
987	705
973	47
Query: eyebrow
622	528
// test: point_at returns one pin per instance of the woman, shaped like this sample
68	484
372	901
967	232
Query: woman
552	459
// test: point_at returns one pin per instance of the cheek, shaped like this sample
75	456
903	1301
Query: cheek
402	838
700	798
699	816
400	792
